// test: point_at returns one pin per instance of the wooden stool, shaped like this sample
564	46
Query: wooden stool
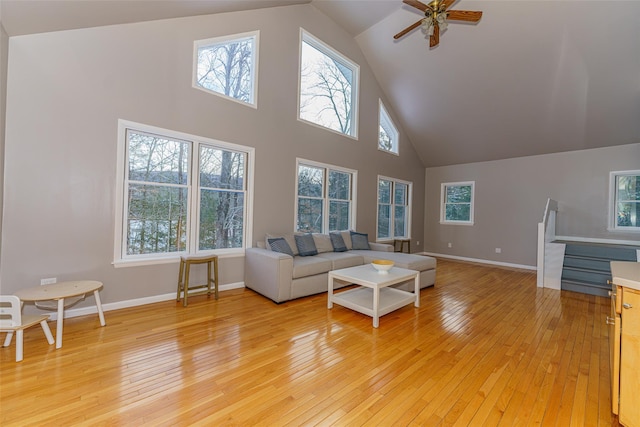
185	267
402	242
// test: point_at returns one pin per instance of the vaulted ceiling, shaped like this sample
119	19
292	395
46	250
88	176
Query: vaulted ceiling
532	77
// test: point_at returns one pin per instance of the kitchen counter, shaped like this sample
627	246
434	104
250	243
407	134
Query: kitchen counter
626	274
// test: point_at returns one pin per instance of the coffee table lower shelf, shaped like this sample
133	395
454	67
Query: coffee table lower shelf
361	300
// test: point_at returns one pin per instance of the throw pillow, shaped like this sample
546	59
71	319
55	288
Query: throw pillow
288	237
323	242
359	241
346	236
306	245
338	242
280	245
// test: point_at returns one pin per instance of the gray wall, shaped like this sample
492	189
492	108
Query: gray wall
66	91
4	58
510	197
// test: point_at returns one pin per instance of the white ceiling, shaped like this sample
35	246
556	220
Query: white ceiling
532	77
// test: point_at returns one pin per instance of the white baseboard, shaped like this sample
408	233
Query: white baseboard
83	311
480	261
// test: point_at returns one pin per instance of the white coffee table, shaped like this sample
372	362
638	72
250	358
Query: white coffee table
374	297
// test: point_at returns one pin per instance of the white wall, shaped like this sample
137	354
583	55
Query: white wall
67	90
510	197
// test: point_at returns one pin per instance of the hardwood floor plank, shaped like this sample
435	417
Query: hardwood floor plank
486	347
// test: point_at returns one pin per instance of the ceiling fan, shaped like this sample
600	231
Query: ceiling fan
436	15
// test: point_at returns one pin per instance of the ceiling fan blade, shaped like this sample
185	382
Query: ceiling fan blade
448	3
435	38
406	30
418	5
464	15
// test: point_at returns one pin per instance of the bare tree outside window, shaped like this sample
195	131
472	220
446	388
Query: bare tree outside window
324	199
158	187
227	67
328	86
158	218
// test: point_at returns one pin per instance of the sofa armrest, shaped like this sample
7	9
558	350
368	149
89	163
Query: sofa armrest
380	247
269	273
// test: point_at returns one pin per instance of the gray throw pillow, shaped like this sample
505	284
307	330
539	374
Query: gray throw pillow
359	241
279	244
306	245
338	242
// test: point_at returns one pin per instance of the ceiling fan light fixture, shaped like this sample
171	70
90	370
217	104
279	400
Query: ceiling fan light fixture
427	26
441	18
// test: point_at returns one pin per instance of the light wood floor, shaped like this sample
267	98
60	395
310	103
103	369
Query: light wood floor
486	347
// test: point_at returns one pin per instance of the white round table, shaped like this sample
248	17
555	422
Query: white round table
60	291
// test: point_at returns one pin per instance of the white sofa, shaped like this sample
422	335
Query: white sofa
281	277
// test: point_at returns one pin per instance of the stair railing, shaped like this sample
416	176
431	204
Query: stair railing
546	235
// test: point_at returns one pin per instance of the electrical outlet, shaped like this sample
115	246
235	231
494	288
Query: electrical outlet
418	243
48	281
449	244
498	250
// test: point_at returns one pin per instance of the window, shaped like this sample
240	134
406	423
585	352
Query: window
394	209
321	189
625	203
228	66
457	203
179	194
387	132
328	87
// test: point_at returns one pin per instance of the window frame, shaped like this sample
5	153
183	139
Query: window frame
443	203
392	205
383	116
228	39
326	201
315	42
120	256
613	201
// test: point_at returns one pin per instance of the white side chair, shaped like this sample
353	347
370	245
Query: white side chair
12	320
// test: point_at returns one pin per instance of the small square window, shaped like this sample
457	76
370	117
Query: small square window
457	200
387	132
228	66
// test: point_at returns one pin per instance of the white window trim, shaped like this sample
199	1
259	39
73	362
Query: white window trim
409	184
255	35
355	90
443	195
325	202
396	137
120	259
611	226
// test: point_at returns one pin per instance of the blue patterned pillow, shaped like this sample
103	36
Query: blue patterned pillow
306	245
280	245
338	242
360	241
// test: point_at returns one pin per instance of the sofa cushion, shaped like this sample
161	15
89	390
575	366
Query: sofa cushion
309	266
279	244
323	242
306	245
402	260
359	241
288	237
337	241
343	259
